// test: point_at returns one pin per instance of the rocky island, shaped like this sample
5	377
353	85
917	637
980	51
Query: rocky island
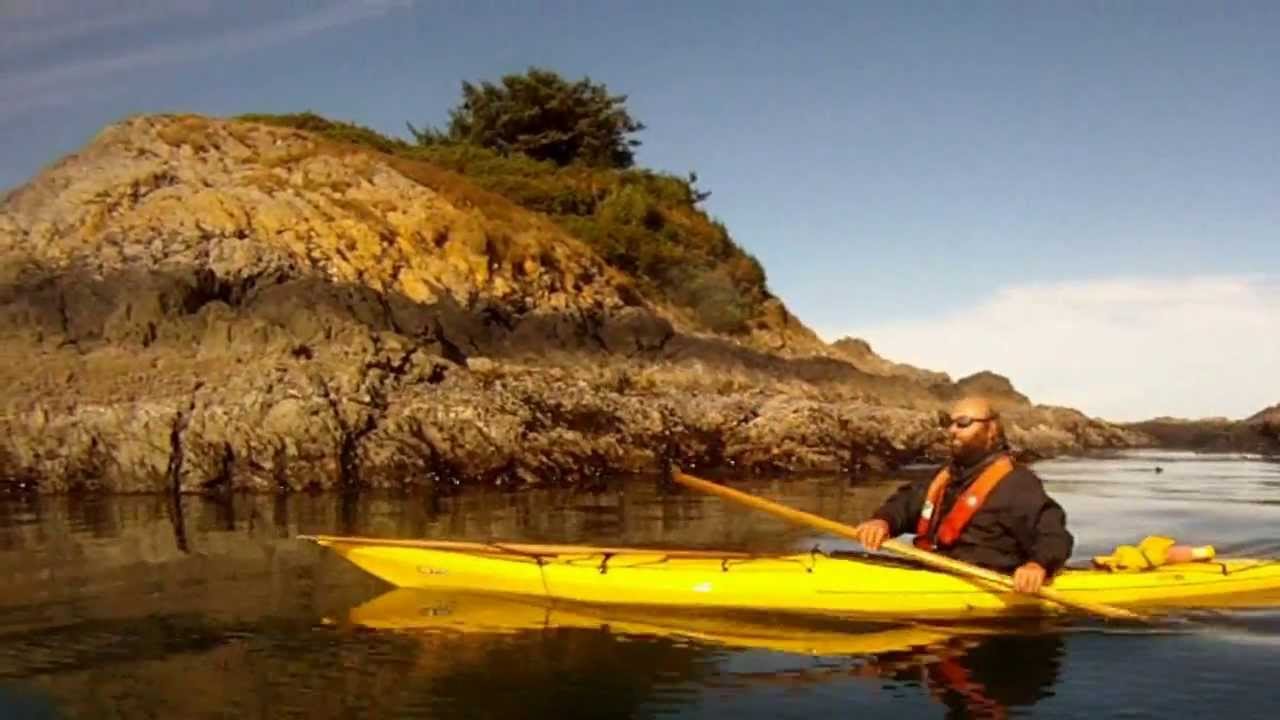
192	304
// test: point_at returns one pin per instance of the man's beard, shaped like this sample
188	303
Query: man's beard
968	454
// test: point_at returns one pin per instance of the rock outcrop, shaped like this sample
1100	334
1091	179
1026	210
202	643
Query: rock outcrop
1259	433
201	305
990	385
1267	424
1266	416
858	352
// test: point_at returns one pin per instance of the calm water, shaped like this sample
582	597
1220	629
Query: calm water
123	608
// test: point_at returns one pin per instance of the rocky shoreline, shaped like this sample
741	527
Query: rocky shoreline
216	398
1258	434
209	306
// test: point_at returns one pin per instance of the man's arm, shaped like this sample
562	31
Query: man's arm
1041	526
903	507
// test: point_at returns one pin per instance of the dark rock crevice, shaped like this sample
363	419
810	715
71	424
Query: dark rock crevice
177	459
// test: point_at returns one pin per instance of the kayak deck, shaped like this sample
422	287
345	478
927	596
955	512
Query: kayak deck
810	583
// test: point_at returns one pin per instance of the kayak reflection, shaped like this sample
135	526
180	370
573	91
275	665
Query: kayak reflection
975	670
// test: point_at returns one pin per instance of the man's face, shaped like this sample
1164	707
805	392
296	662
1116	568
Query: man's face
972	431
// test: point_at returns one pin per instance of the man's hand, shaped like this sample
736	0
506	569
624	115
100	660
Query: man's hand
1028	578
872	532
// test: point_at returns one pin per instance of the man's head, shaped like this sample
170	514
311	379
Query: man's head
974	430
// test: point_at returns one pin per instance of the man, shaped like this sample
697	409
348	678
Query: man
981	508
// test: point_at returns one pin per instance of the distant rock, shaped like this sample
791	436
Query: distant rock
1267	423
1266	415
1259	433
858	353
995	387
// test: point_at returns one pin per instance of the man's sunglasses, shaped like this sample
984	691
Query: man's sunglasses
964	421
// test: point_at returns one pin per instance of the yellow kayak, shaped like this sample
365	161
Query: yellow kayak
813	583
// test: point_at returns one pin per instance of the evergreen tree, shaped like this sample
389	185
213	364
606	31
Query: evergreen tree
544	116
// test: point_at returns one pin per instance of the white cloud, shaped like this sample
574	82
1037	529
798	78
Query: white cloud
1120	348
21	91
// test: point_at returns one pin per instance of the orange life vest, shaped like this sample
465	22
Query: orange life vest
967	505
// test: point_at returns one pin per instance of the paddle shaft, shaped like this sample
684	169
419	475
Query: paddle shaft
925	557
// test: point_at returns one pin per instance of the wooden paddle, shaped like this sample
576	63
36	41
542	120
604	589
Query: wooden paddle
925	557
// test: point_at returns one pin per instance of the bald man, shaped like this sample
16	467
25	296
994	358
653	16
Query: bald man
981	507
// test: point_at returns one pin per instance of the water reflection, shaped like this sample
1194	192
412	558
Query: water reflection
978	676
974	670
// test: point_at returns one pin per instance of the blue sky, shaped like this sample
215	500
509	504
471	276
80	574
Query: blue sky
906	171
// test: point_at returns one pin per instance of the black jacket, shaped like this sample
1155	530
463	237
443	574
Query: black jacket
1017	523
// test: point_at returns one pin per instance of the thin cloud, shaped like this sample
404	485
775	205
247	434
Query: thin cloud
1122	348
22	91
12	10
27	25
